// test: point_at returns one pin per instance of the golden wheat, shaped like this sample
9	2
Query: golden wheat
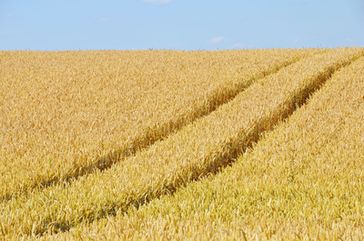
197	149
304	180
66	114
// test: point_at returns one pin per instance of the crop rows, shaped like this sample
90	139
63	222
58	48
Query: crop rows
63	115
304	180
202	147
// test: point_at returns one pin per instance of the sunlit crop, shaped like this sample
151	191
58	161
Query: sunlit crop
67	114
304	180
113	145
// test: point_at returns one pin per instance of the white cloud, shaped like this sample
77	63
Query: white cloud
243	45
158	2
103	19
238	45
216	40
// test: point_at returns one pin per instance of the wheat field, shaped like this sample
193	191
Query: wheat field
182	145
69	114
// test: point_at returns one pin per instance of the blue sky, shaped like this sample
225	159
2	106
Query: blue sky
179	24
